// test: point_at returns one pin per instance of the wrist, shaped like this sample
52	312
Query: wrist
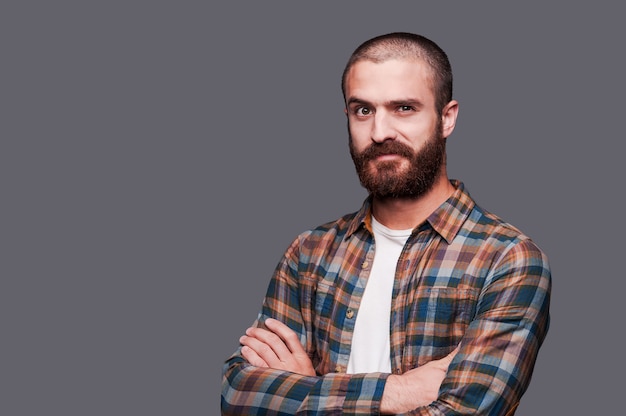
391	402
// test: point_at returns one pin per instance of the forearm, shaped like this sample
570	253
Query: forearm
398	396
499	349
487	380
252	390
417	387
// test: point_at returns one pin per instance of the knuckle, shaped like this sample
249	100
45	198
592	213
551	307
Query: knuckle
265	349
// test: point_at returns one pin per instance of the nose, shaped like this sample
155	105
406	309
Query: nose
382	129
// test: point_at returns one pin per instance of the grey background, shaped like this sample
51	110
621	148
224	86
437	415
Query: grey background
157	158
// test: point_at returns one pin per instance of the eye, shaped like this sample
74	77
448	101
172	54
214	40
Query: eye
405	108
362	111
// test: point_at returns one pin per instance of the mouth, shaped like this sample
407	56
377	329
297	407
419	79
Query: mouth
388	157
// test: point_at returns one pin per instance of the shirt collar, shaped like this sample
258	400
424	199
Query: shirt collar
446	220
362	219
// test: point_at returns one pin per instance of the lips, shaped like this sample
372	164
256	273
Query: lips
387	149
387	156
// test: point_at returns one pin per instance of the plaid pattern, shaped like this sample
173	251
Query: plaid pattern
464	276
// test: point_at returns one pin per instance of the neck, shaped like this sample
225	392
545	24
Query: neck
408	213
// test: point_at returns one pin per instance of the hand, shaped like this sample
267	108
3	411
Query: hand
415	388
276	347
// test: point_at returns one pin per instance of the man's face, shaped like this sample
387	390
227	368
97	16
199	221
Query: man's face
396	138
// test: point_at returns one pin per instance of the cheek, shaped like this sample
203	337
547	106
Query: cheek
417	136
359	136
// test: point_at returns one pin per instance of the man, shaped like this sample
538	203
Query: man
421	302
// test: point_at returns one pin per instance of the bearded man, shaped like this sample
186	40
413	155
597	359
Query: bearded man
421	302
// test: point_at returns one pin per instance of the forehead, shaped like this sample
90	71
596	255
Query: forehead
390	80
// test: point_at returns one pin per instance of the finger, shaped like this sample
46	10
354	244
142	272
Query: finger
288	335
262	349
252	357
271	341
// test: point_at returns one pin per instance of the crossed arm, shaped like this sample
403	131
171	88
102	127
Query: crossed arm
279	347
272	372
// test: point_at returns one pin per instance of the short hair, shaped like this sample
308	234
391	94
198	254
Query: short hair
410	46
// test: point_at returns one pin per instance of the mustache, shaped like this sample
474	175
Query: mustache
389	147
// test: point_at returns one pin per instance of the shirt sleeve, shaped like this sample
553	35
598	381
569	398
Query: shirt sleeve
499	349
250	390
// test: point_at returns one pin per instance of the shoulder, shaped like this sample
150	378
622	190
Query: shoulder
326	239
340	228
484	225
330	231
507	245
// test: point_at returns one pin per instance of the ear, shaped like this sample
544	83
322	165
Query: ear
448	117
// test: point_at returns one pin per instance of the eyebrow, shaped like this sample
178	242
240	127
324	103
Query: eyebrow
393	103
354	100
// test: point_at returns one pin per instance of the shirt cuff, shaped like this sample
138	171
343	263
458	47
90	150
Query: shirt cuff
364	393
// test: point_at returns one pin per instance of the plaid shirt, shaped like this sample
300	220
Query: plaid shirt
464	276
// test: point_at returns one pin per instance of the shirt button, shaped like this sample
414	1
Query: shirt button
365	264
338	369
350	314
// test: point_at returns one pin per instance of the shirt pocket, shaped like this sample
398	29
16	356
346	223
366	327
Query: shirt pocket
324	305
437	321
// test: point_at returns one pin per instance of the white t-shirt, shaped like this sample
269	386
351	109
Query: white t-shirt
370	342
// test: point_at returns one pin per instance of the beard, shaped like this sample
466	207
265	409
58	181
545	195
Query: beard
385	180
